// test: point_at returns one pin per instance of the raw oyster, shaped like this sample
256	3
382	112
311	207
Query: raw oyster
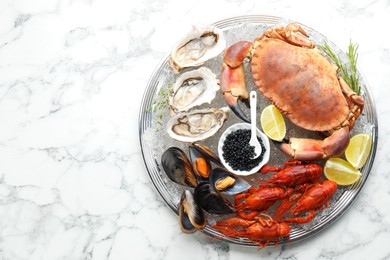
193	88
200	45
197	124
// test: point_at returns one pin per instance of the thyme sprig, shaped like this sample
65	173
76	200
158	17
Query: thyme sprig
349	75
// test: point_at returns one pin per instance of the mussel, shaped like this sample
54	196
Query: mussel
226	182
200	163
191	216
178	167
208	153
210	200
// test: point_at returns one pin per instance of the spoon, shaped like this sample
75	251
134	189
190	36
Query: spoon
254	141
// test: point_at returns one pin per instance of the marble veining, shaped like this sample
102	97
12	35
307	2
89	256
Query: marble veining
73	184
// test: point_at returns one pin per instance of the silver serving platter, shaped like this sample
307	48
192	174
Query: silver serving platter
154	139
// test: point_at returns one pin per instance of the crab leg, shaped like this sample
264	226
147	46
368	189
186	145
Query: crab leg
233	83
290	34
356	99
311	149
355	102
294	38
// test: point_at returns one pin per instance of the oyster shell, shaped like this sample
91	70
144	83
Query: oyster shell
193	88
197	124
200	45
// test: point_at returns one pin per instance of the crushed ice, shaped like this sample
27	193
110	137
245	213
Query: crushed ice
157	140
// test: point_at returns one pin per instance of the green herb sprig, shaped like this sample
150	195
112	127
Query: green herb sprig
161	102
350	76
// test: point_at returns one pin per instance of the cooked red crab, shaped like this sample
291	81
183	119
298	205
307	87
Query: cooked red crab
295	76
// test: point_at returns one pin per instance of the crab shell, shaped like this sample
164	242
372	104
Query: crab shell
294	75
301	82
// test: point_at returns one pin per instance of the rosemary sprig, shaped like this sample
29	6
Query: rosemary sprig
350	76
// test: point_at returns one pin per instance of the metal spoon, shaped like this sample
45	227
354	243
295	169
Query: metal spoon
253	141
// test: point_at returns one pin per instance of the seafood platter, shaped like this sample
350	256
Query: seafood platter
196	133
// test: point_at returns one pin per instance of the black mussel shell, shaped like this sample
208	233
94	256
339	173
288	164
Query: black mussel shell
200	163
208	153
191	216
210	200
178	167
219	174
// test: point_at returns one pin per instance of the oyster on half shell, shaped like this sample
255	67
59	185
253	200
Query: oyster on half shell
197	124
198	46
193	88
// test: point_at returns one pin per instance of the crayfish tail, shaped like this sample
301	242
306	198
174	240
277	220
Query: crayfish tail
229	231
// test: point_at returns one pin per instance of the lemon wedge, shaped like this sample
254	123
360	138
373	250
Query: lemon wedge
358	150
341	171
272	122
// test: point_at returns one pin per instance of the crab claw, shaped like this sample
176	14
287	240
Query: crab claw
311	149
233	83
233	88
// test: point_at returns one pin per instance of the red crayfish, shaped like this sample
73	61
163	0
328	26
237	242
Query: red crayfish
250	203
292	174
311	200
301	190
260	230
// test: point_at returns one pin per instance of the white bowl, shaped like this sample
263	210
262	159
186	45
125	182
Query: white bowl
260	134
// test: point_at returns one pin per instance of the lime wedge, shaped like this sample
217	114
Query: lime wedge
358	150
341	171
272	122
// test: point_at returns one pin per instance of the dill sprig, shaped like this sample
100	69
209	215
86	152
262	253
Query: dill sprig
350	76
161	102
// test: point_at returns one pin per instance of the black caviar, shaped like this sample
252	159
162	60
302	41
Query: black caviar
238	153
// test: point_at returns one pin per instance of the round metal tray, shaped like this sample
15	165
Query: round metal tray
153	137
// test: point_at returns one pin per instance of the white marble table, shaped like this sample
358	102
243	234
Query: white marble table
73	184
